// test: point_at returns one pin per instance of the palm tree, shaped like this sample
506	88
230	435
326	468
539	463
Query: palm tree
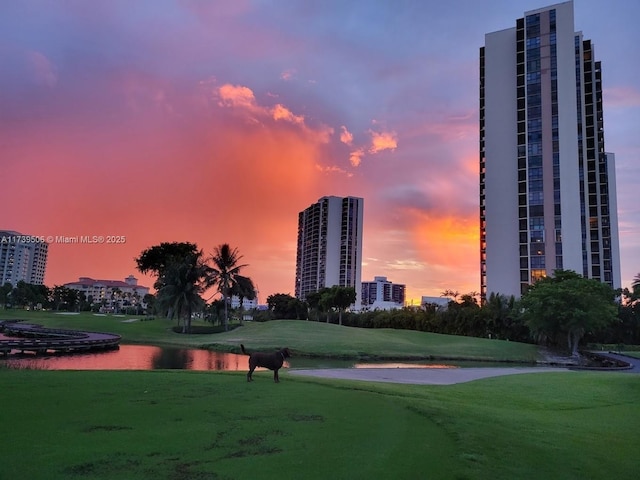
183	284
116	295
224	274
635	285
243	288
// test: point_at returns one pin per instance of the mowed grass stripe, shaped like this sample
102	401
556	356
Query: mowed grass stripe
180	424
208	425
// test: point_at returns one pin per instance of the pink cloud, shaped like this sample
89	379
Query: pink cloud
628	96
287	74
43	69
346	136
236	96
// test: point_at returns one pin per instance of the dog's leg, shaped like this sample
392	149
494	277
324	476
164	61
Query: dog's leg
276	377
250	374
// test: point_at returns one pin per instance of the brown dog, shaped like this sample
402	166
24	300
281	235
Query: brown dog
272	361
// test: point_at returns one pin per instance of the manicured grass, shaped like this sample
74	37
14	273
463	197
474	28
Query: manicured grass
302	337
333	340
204	425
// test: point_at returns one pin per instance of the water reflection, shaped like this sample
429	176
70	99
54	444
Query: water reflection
133	357
403	365
145	357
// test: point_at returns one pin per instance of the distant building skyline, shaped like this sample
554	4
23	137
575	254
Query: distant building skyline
382	294
106	290
329	246
22	258
547	185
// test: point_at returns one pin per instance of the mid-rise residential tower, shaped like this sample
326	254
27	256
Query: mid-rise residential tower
381	294
330	246
22	257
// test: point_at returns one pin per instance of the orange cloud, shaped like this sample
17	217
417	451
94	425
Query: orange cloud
379	141
201	176
383	141
242	99
281	112
434	251
355	157
333	169
450	244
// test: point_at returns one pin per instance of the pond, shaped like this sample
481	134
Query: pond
145	357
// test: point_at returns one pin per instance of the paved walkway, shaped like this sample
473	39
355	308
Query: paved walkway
634	362
444	376
420	376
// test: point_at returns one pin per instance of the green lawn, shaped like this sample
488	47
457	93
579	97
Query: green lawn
205	425
302	337
183	425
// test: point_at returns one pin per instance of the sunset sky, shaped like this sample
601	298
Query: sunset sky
218	121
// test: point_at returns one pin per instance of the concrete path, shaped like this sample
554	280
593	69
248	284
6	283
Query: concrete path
446	376
420	376
634	362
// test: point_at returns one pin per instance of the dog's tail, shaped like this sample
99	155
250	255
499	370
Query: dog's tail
243	350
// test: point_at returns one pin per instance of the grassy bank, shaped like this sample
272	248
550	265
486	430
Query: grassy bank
196	425
302	337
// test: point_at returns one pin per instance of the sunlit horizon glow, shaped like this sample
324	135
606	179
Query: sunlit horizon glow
217	122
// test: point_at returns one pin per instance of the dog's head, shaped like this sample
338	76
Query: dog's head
285	353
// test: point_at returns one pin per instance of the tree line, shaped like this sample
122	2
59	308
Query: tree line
59	297
561	310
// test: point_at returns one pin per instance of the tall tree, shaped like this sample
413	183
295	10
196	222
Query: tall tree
343	298
313	301
327	301
155	259
285	306
5	293
215	311
58	296
224	272
568	305
149	301
183	284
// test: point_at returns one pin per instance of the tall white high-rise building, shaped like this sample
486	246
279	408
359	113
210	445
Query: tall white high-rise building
330	246
547	186
22	257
